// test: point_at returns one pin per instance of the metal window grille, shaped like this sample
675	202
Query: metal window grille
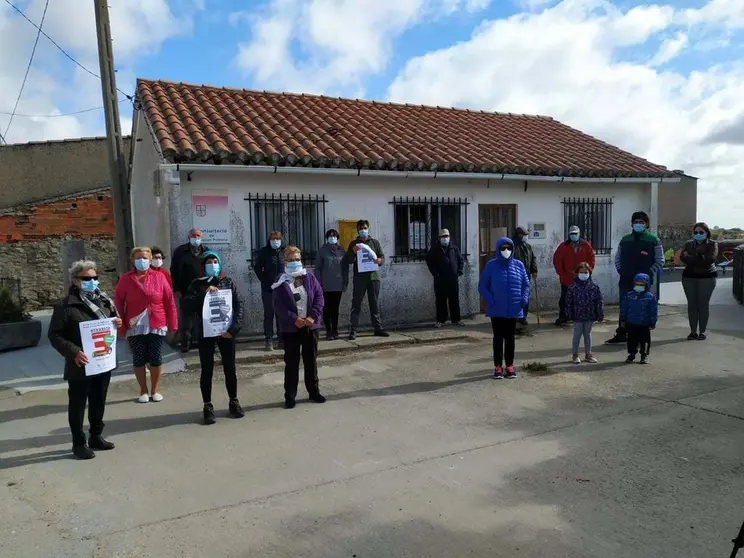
12	287
418	221
300	219
594	217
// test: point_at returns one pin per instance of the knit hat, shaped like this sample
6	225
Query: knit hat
640	216
211	254
521	230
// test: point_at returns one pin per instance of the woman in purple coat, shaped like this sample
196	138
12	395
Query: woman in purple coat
298	305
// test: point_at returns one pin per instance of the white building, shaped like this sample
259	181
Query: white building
239	164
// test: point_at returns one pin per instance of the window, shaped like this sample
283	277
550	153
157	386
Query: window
594	217
300	219
418	221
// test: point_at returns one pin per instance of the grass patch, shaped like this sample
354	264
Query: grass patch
536	367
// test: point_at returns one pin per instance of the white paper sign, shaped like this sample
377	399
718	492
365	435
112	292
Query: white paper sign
366	259
217	313
99	345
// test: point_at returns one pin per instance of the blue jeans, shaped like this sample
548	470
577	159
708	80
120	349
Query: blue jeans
582	329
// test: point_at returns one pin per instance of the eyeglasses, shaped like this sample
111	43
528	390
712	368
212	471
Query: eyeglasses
88	278
699	232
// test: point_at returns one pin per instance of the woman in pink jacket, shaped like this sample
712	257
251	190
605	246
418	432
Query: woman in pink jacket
147	307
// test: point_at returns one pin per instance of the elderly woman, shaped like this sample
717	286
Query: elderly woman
298	303
83	302
699	255
147	306
332	270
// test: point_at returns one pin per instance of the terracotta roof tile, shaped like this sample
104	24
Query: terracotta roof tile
199	123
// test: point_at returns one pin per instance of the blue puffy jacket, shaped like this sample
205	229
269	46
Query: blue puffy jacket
641	309
504	285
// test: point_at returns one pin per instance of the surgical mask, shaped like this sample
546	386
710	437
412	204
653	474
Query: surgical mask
89	286
332	240
157	262
574	237
445	241
506	253
583	276
142	264
275	244
212	269
364	233
195	241
699	237
639	227
639	288
294	268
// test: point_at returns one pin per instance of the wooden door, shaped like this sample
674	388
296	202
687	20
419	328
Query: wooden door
494	221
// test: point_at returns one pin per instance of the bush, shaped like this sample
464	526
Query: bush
10	312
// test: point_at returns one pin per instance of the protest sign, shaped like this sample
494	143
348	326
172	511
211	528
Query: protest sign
366	259
99	345
217	313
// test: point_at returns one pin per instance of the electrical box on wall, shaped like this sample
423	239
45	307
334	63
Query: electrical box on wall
537	231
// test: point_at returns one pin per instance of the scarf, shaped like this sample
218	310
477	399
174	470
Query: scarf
286	278
93	302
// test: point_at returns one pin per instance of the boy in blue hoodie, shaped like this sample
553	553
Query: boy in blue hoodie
639	312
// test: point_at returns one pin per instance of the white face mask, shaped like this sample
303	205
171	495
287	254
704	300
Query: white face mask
506	253
157	262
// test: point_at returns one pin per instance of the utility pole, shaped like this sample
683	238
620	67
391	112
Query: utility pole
117	160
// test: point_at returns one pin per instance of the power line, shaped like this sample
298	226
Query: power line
63	51
60	114
28	68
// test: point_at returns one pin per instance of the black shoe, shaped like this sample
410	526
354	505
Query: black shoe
209	414
381	333
352	335
83	452
98	443
335	336
524	322
184	349
559	322
289	403
194	345
644	359
702	337
280	345
694	336
616	340
317	398
630	359
235	410
329	336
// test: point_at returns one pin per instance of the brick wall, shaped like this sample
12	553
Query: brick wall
35	241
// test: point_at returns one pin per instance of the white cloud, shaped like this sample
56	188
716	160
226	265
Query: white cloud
669	49
566	62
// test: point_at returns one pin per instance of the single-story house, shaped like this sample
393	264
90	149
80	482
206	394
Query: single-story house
239	164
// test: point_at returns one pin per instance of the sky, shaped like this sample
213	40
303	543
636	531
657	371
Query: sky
663	80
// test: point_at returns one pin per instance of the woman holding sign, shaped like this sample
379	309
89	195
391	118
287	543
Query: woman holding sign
215	299
84	303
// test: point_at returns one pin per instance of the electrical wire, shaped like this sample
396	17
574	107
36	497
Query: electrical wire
28	68
60	114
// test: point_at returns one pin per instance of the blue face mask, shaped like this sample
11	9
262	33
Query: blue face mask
639	227
195	241
583	276
699	237
212	269
364	233
639	288
275	244
445	241
142	264
574	237
332	240
294	267
89	286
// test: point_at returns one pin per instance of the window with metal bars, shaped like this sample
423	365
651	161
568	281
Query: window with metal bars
300	219
418	221
594	217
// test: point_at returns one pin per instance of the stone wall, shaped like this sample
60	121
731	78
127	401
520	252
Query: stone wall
38	242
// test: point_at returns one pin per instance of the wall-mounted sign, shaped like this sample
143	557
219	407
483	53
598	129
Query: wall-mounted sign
211	214
537	231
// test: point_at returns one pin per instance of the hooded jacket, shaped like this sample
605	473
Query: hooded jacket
269	265
504	285
197	292
639	309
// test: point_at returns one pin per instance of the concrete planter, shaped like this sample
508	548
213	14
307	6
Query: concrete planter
19	335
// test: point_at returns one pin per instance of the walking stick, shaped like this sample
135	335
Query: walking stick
537	299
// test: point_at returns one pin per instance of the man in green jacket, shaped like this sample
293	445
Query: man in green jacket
524	253
365	282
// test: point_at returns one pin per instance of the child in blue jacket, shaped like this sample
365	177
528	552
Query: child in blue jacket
639	312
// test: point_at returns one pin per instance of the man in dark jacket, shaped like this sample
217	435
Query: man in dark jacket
269	265
638	252
365	282
524	253
186	265
445	264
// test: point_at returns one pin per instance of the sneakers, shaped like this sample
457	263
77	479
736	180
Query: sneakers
438	324
235	410
693	336
144	398
209	414
83	452
99	443
381	333
498	373
575	359
289	403
591	359
156	397
630	359
616	340
644	359
317	398
460	323
511	373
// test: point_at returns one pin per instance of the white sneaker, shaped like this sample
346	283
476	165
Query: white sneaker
144	398
438	324
576	360
156	397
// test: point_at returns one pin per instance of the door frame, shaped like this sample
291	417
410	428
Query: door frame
483	255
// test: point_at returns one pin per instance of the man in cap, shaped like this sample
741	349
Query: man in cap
445	264
524	253
566	259
640	251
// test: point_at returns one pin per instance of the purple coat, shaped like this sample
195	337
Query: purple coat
285	307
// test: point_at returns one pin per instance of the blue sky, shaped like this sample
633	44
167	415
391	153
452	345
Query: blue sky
664	80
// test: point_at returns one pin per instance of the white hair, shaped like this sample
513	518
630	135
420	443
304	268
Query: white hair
81	265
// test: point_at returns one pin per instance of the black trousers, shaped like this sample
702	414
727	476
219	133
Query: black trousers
364	285
562	315
269	316
504	341
206	360
188	324
447	292
624	288
330	310
639	337
91	390
300	345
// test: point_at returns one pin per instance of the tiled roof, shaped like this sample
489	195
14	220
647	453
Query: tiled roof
203	124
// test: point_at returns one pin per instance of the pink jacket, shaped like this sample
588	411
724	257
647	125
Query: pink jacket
156	296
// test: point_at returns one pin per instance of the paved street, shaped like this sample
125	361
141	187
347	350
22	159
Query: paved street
418	452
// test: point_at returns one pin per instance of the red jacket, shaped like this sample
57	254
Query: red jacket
155	295
166	273
566	259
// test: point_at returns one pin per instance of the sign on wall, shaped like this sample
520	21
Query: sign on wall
211	214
